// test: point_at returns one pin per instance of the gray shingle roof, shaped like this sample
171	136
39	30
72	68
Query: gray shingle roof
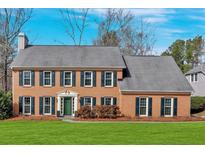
69	56
154	74
200	68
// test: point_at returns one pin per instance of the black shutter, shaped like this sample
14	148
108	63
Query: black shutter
102	100
115	78
175	107
162	106
81	101
61	78
94	78
94	101
32	105
102	79
20	78
53	78
53	105
21	104
41	105
82	78
150	106
73	78
32	78
114	101
137	106
41	78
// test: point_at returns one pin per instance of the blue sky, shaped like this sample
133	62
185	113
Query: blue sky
46	25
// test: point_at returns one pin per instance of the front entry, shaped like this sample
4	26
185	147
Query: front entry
67	106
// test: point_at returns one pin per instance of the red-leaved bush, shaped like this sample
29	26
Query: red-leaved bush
99	111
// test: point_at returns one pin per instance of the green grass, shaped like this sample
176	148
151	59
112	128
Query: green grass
58	132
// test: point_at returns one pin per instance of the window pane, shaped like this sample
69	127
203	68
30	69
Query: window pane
27	78
47	105
108	78
143	106
167	106
88	78
108	101
87	101
67	78
47	78
27	105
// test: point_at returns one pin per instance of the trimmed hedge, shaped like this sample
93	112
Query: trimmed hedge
197	104
5	105
101	111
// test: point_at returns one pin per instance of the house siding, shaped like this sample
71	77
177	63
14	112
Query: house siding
199	86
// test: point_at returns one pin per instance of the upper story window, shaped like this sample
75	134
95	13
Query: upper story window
88	78
108	79
67	78
27	78
47	78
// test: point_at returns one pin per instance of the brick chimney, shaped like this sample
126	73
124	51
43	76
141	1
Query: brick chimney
22	41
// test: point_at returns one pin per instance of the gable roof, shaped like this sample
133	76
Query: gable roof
153	74
69	56
198	69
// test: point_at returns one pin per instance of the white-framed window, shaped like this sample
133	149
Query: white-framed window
195	77
143	106
88	101
108	79
27	78
88	78
108	101
47	105
47	78
27	105
168	107
67	78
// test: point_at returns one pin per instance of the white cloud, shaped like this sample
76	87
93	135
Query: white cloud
156	19
197	17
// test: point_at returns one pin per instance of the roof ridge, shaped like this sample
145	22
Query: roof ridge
30	45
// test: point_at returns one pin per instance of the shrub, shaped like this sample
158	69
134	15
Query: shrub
197	104
5	105
102	111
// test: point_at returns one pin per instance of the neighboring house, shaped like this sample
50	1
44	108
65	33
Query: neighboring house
58	80
196	77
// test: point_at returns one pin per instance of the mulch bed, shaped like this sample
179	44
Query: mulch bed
160	119
143	119
46	118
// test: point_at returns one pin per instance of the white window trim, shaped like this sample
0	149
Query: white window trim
91	100
70	78
112	76
172	107
91	79
24	106
24	81
50	79
147	107
44	106
111	100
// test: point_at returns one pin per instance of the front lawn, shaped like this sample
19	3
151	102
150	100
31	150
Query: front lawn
58	132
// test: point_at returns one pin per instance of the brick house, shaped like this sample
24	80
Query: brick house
58	80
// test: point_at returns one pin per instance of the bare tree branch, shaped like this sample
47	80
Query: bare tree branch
75	23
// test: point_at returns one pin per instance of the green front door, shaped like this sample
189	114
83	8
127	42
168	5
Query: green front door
67	106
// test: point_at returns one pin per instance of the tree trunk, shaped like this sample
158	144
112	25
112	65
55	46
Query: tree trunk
5	75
